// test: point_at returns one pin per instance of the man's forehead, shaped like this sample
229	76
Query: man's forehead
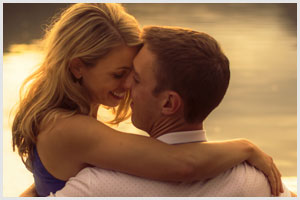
144	59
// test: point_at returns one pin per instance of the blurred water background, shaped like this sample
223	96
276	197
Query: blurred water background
260	41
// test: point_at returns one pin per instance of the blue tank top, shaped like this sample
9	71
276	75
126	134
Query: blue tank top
44	181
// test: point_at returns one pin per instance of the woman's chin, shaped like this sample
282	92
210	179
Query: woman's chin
111	103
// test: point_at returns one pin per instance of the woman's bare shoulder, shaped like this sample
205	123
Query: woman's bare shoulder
78	130
64	143
63	122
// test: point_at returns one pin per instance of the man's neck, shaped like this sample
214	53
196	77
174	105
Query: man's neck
168	125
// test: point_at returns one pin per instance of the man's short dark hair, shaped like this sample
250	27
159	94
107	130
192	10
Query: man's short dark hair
190	63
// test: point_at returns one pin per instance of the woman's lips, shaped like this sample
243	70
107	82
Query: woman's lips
118	95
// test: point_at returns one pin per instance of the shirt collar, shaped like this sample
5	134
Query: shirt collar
183	137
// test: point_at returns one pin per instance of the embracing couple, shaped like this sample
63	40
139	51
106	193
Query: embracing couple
168	78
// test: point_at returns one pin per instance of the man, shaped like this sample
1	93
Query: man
179	77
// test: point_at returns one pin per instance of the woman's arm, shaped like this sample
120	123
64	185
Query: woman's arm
96	144
223	155
264	163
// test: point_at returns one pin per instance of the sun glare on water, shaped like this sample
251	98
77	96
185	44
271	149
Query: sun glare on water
17	65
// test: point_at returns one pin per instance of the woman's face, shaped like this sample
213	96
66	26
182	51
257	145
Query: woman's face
105	80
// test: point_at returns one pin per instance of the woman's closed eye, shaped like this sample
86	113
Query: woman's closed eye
120	75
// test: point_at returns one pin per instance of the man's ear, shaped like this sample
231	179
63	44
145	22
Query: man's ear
76	66
171	103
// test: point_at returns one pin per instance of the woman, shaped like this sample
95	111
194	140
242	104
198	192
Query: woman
89	53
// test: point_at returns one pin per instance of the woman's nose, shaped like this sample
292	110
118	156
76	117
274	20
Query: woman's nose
128	81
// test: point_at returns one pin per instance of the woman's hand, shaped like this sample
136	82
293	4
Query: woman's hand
264	163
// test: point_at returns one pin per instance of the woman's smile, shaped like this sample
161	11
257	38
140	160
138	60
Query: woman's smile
118	95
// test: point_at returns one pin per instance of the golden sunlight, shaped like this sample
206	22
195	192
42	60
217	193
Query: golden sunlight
260	41
22	60
17	65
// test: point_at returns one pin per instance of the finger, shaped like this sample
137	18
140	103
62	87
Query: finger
271	179
280	181
277	187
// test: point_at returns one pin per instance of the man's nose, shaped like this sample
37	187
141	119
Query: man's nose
128	81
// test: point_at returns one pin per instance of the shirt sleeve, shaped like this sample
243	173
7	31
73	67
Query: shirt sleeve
96	182
254	183
242	181
78	186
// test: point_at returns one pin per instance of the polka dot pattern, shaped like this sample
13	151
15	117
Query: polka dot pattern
240	181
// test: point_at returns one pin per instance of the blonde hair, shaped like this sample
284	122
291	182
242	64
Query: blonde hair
87	31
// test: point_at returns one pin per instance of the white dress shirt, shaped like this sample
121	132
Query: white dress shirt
242	180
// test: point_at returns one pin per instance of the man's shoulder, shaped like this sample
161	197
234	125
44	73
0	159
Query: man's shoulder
249	172
241	180
252	182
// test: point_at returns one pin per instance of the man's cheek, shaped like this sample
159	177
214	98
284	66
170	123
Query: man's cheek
133	94
138	95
